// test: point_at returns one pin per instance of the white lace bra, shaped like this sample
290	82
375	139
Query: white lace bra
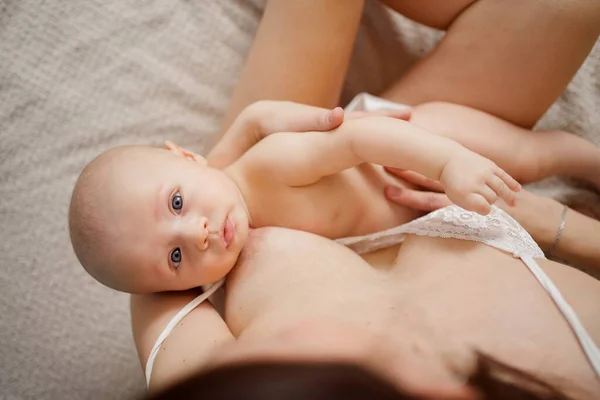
497	229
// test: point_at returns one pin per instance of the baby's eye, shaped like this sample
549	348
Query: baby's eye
177	202
176	257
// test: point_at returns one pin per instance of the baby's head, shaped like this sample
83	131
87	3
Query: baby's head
146	219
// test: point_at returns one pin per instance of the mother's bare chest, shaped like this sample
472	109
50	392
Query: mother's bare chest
473	299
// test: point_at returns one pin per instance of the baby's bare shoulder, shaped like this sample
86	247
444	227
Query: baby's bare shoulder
287	141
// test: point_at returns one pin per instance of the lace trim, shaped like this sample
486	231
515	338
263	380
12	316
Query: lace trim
497	229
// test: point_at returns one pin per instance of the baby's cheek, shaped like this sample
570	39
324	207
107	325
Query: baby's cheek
226	264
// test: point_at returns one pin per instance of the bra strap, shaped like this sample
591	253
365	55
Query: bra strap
176	320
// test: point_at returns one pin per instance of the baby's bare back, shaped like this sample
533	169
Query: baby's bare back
349	203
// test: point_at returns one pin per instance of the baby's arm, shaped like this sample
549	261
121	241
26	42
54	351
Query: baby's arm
526	155
471	181
262	118
265	117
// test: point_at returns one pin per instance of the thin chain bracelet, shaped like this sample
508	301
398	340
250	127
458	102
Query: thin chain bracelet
559	232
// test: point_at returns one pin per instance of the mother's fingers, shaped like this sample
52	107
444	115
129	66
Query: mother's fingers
333	119
286	116
416	178
415	199
308	118
404	114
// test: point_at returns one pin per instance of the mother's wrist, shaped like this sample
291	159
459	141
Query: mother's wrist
559	232
539	215
548	217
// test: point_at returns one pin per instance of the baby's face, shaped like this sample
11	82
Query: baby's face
179	223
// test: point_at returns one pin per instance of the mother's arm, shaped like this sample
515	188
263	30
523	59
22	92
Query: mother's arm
579	243
189	345
540	216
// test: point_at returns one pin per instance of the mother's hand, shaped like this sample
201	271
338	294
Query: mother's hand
428	196
541	216
537	214
265	117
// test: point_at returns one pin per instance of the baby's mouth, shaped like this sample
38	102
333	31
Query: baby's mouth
228	232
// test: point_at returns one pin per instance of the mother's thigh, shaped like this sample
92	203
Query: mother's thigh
510	58
300	53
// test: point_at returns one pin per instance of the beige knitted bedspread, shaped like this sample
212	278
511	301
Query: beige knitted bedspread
77	77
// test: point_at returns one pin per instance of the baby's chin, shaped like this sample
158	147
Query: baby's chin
219	272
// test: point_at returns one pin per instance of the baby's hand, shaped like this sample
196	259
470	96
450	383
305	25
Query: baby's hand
474	183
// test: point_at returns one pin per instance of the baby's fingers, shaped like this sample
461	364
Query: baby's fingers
478	203
502	189
508	180
488	194
416	178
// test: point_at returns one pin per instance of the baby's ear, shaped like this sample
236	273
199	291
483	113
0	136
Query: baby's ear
180	151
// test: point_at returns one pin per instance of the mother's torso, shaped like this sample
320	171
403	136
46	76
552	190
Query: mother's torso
460	295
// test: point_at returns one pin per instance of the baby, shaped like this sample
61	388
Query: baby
146	220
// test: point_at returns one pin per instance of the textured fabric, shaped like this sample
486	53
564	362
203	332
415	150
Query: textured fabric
80	76
497	229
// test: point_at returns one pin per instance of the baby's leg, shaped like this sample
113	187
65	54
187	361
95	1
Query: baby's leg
526	155
510	59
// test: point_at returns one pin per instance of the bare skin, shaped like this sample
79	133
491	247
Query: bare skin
527	155
487	106
516	75
511	78
170	222
439	300
305	181
579	244
287	277
322	52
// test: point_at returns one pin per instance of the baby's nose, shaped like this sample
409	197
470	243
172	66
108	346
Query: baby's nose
198	233
203	235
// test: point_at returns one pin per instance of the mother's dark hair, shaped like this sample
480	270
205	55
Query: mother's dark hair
270	380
